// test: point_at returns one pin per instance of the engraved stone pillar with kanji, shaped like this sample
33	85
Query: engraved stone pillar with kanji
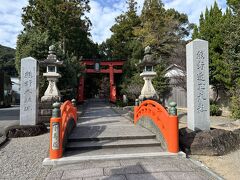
198	114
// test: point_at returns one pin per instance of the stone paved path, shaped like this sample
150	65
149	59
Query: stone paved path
100	123
163	168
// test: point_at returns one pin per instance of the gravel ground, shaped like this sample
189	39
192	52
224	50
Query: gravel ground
22	158
227	166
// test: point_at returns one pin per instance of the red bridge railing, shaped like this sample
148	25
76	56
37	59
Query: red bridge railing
167	124
63	120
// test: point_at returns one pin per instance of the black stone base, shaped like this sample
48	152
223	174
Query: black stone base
26	131
213	142
45	112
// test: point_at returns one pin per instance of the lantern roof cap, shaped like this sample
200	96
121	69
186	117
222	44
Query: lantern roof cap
149	58
52	58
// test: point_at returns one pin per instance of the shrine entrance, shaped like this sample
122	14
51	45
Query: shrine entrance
99	79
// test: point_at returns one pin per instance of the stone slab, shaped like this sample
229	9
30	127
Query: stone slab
198	85
114	177
135	169
150	168
148	176
187	176
54	175
71	159
91	172
29	91
116	151
163	167
87	165
104	132
112	144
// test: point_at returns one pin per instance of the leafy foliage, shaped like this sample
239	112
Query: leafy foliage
215	109
7	59
212	29
223	33
157	27
62	23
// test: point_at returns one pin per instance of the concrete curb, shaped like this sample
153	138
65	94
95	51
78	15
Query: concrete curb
4	130
3	140
210	171
74	160
3	133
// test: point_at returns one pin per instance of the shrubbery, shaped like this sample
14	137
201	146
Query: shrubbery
235	103
215	110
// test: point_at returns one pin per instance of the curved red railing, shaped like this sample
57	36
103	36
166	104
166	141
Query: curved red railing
68	113
167	124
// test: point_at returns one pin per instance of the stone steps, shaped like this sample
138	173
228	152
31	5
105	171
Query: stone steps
102	134
73	157
111	143
113	151
110	138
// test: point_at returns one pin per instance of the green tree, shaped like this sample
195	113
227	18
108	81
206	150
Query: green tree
211	28
7	60
232	53
31	43
163	30
59	22
157	27
160	28
120	44
125	45
64	21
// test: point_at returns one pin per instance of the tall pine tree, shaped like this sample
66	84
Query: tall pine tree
211	28
232	35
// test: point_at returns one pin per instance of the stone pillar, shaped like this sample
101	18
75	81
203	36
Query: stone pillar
198	117
29	91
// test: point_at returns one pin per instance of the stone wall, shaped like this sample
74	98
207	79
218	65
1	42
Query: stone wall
147	123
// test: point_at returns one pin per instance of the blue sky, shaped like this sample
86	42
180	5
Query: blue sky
102	15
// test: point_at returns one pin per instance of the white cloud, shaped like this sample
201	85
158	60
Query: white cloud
103	20
102	15
10	21
193	8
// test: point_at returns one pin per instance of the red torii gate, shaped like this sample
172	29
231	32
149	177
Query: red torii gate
94	66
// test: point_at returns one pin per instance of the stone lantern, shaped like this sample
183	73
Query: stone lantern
147	64
52	93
